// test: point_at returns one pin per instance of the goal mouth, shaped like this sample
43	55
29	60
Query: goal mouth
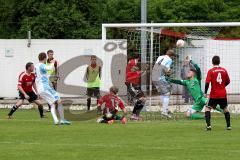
202	42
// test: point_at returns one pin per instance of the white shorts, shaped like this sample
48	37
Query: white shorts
49	95
163	87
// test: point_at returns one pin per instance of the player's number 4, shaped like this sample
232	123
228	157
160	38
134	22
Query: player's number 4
219	78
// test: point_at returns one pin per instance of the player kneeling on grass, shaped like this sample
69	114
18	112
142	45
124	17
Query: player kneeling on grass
47	92
26	84
112	105
193	84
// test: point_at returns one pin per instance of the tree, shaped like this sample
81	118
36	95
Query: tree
83	18
55	20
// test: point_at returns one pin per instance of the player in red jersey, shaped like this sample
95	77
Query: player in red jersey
219	79
26	84
112	105
133	83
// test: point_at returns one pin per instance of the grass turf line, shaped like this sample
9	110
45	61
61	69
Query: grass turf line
29	137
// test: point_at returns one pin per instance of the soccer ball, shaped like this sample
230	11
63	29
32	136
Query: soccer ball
108	115
180	43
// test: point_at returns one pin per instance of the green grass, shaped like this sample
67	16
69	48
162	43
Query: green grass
28	137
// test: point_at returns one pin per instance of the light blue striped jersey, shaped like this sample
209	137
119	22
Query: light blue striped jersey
162	65
42	80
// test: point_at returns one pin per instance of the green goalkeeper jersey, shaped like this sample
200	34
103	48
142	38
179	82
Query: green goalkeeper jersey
194	88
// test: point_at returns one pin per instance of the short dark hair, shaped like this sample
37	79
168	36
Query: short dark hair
114	89
29	64
49	51
93	56
170	52
42	56
136	56
216	60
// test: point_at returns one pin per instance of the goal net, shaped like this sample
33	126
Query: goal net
202	42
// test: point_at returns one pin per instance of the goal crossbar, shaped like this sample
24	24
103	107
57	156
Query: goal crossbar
204	24
197	24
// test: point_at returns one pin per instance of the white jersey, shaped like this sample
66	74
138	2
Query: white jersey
166	61
162	65
42	80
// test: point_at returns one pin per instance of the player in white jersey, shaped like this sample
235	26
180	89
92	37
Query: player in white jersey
47	92
161	69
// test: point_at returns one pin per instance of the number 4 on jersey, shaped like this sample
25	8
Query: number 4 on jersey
219	78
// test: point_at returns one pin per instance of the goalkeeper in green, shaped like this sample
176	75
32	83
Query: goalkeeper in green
193	85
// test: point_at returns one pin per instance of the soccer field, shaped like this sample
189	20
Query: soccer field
29	137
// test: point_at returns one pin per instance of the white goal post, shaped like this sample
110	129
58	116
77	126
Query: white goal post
126	25
151	27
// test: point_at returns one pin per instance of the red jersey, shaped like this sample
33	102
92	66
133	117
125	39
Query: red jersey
132	77
112	103
26	81
218	77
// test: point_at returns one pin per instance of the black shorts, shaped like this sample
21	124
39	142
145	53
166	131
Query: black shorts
95	91
32	96
135	91
222	102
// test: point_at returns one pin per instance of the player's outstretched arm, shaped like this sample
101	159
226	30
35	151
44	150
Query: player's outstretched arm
198	73
181	82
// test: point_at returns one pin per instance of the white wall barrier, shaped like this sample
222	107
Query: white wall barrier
14	54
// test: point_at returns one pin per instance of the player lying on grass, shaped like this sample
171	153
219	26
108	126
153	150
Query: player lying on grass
112	105
193	84
26	84
47	92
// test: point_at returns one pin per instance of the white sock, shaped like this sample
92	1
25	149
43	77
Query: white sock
60	111
165	103
53	112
